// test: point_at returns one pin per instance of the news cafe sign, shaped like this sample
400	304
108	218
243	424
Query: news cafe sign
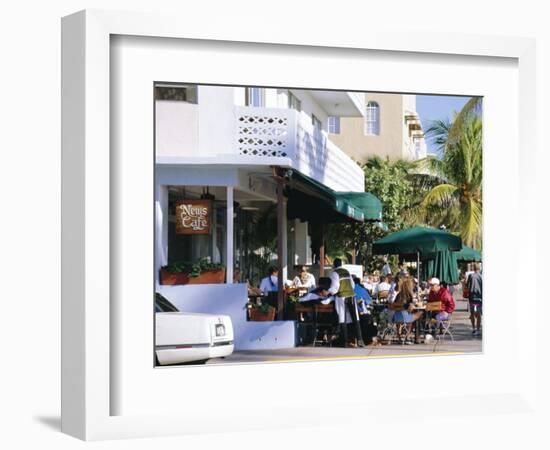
193	216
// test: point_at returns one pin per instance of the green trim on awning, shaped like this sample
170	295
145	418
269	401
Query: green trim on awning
367	202
310	200
349	209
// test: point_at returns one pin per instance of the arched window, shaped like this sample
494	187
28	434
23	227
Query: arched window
372	119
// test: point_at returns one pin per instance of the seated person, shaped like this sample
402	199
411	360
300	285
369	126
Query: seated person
271	282
319	295
403	305
439	293
367	282
383	288
304	279
423	290
270	285
394	286
361	295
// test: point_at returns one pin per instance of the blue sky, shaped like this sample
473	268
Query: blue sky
432	107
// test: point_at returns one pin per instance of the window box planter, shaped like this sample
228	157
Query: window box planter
177	278
256	315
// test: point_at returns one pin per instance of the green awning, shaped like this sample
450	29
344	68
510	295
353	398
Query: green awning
313	201
367	202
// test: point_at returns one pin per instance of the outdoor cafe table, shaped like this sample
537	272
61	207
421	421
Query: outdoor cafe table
417	307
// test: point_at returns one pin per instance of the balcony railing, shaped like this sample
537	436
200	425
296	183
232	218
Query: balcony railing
274	132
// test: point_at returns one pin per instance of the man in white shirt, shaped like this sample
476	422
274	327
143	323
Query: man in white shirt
383	286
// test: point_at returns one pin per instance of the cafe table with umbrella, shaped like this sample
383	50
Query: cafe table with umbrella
419	241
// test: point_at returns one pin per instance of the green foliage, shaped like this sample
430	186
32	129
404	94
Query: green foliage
262	237
443	190
471	110
389	181
455	200
193	269
292	298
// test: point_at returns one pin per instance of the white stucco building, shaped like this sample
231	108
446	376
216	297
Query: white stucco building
237	147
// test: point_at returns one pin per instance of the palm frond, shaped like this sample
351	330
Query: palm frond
430	165
471	227
438	133
441	195
470	109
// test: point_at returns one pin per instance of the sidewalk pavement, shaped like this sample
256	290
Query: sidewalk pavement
464	343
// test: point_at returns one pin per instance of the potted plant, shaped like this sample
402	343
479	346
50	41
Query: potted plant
201	272
260	312
290	310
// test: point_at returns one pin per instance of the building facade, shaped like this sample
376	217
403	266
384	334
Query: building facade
391	128
260	165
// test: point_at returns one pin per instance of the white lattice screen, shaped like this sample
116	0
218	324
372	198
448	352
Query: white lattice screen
262	135
271	132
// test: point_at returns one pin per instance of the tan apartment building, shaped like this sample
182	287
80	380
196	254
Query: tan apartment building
390	128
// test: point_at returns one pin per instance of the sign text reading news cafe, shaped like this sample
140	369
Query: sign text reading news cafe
193	216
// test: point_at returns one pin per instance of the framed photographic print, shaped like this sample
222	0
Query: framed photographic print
247	219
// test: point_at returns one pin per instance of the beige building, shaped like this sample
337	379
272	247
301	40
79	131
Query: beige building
390	128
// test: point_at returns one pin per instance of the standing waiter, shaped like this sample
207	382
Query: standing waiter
342	288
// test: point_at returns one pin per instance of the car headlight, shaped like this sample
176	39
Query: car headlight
220	330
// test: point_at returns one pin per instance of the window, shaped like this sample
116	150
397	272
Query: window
255	97
294	102
334	125
317	125
372	119
176	92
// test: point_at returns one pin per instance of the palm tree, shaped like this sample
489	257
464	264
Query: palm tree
439	132
456	198
472	108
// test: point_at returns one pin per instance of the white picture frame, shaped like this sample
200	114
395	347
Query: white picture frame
87	329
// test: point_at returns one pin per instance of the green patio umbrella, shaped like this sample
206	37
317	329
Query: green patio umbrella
423	241
417	239
468	254
444	266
